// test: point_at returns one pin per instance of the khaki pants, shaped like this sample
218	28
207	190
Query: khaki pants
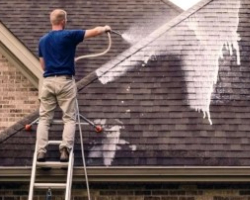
61	91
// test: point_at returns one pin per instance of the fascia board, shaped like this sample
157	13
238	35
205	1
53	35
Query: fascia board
132	174
20	56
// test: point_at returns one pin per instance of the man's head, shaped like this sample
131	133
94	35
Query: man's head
58	17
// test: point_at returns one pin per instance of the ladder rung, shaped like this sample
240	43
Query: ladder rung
54	142
50	185
57	121
52	164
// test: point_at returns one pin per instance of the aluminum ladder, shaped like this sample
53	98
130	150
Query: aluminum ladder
69	165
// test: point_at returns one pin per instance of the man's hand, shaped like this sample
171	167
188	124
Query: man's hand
107	28
96	31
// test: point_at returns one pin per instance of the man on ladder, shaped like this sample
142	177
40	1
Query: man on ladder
56	53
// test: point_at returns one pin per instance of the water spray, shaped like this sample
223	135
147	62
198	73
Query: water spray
124	36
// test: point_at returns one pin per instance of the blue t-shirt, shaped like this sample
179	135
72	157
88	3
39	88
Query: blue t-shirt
58	51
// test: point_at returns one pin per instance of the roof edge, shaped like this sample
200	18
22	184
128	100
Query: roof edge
20	56
134	174
18	126
172	5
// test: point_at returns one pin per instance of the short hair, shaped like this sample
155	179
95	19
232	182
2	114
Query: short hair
57	16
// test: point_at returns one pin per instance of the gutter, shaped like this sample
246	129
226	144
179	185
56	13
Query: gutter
132	174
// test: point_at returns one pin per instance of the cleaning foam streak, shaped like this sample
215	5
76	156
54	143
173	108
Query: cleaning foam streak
212	44
215	35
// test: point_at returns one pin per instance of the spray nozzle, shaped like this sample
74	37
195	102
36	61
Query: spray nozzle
115	32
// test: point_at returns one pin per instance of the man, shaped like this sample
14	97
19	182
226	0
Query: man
57	52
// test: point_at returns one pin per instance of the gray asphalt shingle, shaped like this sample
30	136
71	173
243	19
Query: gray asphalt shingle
151	102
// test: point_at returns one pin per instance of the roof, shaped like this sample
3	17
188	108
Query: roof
149	96
28	21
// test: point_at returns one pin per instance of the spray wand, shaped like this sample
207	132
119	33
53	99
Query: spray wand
115	32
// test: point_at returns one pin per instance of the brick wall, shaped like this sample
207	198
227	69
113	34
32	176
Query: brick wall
18	97
107	191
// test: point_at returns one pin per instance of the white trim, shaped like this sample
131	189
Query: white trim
20	56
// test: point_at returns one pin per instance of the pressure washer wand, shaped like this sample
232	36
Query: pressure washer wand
115	32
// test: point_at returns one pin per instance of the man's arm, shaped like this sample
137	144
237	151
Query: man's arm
96	31
42	63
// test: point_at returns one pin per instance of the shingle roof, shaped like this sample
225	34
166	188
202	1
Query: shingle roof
150	98
29	20
27	15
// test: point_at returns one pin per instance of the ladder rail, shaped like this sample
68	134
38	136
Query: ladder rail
33	175
70	183
69	176
82	150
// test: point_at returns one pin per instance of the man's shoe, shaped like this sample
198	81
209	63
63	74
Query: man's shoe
41	157
64	155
